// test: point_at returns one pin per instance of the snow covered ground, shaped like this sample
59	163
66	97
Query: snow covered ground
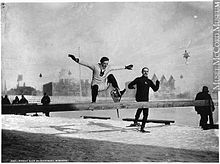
173	136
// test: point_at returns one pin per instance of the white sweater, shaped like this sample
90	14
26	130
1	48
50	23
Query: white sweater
101	81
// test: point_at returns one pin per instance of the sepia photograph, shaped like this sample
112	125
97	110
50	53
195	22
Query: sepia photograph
114	81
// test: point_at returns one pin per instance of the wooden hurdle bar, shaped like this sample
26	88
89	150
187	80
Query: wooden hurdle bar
33	108
96	117
166	122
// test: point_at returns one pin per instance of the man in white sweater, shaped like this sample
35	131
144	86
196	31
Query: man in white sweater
101	77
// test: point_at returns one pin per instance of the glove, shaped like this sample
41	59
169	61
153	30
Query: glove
157	82
129	67
74	58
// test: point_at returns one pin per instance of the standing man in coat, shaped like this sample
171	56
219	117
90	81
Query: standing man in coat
142	94
46	101
23	100
101	77
205	111
6	100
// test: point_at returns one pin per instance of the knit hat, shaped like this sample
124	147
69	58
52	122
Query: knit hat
205	89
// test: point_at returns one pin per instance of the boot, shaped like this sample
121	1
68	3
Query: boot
122	92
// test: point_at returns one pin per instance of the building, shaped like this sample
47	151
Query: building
171	83
25	90
167	88
4	88
154	78
163	83
48	88
67	87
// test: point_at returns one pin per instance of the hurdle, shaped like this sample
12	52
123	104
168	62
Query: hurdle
166	122
33	108
96	117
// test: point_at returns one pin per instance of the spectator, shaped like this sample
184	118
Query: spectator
23	100
205	111
16	100
45	101
6	100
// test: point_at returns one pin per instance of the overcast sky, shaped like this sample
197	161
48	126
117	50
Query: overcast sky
37	37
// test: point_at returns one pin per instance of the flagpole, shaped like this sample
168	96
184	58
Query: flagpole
80	87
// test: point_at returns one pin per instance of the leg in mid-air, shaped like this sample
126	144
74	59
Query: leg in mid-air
111	79
94	93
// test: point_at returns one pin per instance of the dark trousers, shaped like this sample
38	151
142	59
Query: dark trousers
110	79
145	115
46	112
204	119
211	119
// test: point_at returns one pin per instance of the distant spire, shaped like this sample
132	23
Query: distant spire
163	79
171	83
154	78
171	79
5	88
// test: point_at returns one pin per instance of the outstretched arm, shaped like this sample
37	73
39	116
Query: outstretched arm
131	84
129	67
155	87
74	58
77	60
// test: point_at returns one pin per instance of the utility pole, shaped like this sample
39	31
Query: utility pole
80	87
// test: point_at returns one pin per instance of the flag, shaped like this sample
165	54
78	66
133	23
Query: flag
20	78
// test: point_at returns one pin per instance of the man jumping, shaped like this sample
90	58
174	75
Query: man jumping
101	77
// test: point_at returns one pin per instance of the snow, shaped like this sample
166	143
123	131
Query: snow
175	136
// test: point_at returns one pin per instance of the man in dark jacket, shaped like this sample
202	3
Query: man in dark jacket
205	111
45	101
6	100
16	100
23	100
142	94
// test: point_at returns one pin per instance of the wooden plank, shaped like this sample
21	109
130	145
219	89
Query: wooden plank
166	122
32	108
208	126
96	117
